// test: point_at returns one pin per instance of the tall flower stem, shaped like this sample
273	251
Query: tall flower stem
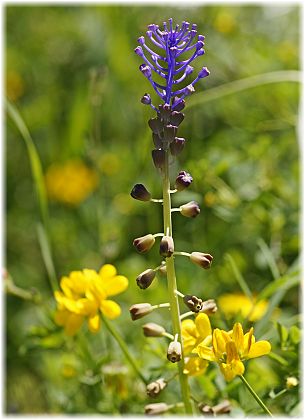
172	285
124	348
256	397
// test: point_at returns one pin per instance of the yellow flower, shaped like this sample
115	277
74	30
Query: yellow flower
232	304
84	294
71	182
194	333
229	349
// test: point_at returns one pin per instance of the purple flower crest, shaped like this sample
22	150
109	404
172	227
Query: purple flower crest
172	43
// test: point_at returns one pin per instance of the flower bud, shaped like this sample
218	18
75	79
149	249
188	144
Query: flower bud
205	408
139	52
146	99
222	408
167	246
139	310
190	209
157	140
144	243
177	104
158	156
139	192
153	330
176	118
155	124
169	133
183	180
143	68
177	146
291	382
188	90
145	279
165	111
174	351
141	40
157	408
204	72
209	307
201	259
154	388
193	303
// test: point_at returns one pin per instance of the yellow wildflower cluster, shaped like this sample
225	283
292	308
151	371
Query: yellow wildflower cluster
84	294
71	182
232	304
230	349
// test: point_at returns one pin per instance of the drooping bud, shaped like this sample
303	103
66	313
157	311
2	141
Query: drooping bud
154	388
201	259
153	330
157	141
176	118
157	408
193	303
158	156
167	246
165	111
145	279
177	146
169	133
146	70
174	351
209	307
183	180
204	72
139	192
139	310
144	243
146	99
155	124
222	408
190	209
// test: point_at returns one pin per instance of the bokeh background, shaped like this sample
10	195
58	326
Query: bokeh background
73	77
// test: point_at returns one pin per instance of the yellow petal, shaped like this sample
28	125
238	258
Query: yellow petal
238	336
231	351
249	339
188	328
230	370
195	366
86	307
78	282
107	271
259	349
94	323
204	352
220	338
73	323
114	285
110	309
203	325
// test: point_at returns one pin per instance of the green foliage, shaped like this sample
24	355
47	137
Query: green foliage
73	87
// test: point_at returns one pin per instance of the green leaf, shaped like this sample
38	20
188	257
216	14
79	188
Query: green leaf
283	333
295	334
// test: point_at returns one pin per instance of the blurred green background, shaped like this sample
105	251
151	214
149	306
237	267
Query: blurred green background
72	74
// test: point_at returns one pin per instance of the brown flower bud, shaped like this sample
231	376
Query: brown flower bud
139	310
177	146
153	330
209	307
167	246
145	279
201	259
183	180
174	351
139	192
193	303
176	118
162	269
155	125
205	408
222	408
154	388
157	408
158	156
144	243
190	209
165	112
169	133
157	140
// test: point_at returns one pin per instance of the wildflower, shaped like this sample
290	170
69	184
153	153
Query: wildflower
145	279
139	192
291	382
183	180
154	388
157	408
71	182
209	307
232	304
174	351
144	243
193	303
190	209
230	349
84	294
194	333
166	246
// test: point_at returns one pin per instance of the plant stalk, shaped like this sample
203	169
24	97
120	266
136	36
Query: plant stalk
256	397
172	286
124	348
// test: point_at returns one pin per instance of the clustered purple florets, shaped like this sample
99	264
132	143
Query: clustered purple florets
172	44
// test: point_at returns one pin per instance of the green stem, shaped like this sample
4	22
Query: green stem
172	286
124	348
256	397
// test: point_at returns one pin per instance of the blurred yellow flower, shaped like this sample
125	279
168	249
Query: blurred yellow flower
225	22
232	304
84	294
71	182
14	85
229	349
109	164
194	333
